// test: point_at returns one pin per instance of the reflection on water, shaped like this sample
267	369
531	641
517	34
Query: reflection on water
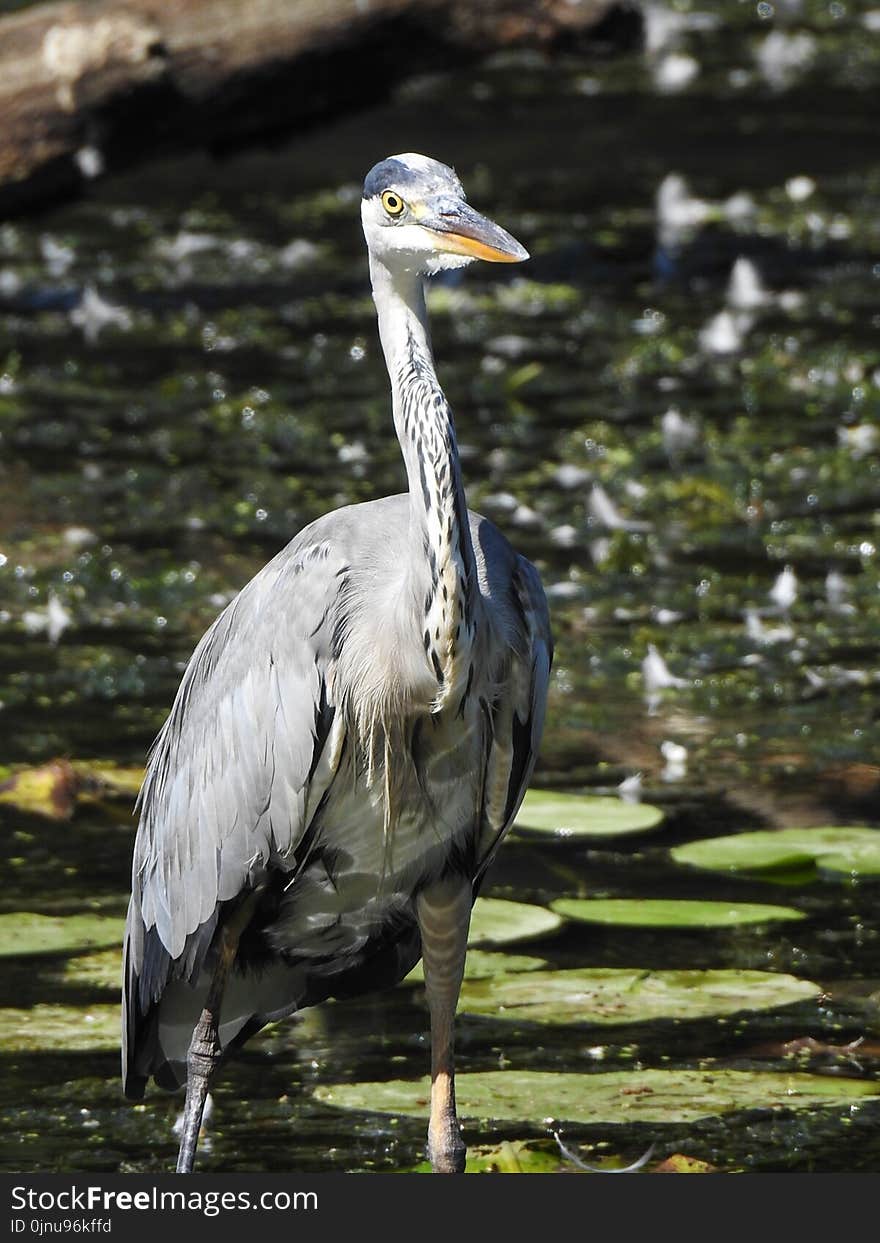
674	409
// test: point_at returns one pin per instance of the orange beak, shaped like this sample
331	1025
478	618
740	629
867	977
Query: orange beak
463	231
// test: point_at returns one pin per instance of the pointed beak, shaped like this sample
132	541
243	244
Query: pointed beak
459	230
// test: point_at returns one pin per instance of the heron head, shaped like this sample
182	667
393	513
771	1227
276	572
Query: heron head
416	217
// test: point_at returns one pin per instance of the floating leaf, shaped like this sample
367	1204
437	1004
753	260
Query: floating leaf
656	1096
495	921
671	913
484	964
46	791
844	850
584	815
42	1028
678	1163
23	932
624	995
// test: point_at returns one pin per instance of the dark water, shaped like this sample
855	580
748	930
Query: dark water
150	464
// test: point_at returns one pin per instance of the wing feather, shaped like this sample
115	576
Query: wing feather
518	716
227	782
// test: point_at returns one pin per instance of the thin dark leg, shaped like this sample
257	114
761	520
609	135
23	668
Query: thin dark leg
444	913
204	1049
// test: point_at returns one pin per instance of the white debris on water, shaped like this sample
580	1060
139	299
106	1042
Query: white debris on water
298	254
679	433
93	314
565	589
657	676
678	212
600	550
800	188
724	333
666	617
739	208
675	758
635	490
53	619
510	345
860	440
10	283
57	256
784	591
564	536
837	593
527	518
79	537
745	290
604	511
90	162
630	789
759	633
781	58
569	476
674	72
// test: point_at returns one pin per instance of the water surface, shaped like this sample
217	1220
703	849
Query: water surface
160	443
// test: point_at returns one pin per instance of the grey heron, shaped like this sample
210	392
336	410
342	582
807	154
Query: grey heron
352	736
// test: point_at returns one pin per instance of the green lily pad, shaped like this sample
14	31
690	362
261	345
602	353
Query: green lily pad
583	815
610	995
844	850
669	913
72	1028
495	921
617	1096
23	932
484	965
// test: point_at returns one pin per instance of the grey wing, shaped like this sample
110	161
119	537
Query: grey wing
249	747
518	717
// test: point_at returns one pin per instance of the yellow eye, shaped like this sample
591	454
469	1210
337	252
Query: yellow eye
392	203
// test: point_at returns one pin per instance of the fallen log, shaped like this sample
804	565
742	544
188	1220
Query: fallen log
88	83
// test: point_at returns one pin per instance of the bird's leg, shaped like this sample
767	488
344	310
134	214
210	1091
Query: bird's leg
205	1050
444	913
203	1056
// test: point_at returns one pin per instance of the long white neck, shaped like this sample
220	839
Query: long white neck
443	571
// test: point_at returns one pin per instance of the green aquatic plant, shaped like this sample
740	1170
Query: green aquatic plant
834	852
71	1029
24	933
671	912
608	995
496	921
566	815
657	1096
